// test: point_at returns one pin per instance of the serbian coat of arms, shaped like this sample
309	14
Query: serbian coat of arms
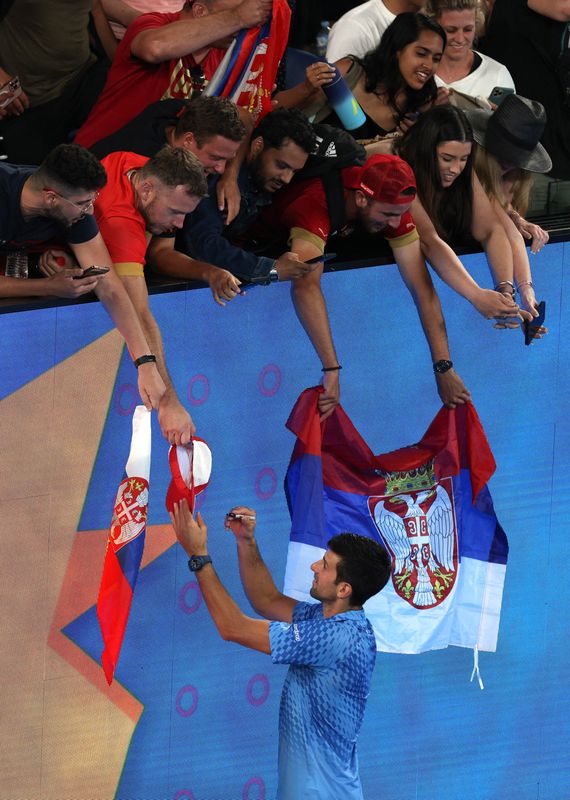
416	520
130	512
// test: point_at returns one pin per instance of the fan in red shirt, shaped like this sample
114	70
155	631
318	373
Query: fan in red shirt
167	55
377	197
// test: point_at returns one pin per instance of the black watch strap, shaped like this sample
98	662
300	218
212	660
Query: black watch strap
195	563
442	366
148	359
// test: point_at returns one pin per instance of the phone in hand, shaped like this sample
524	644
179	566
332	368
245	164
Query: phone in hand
499	93
11	88
531	328
324	258
90	272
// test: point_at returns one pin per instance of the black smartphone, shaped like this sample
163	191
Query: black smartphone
324	258
91	271
499	93
531	328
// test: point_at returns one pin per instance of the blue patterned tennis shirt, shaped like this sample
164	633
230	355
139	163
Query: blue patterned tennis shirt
323	700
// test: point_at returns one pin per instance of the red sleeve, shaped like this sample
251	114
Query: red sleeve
406	231
302	206
125	239
143	23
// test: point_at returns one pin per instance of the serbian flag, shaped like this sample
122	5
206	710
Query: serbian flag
248	71
427	503
125	544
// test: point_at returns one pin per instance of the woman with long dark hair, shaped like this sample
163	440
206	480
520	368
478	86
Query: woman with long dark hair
393	83
451	206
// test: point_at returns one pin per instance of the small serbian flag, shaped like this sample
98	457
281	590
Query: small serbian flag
430	507
248	71
125	544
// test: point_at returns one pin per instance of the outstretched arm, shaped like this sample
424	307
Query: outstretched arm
415	275
175	422
445	262
487	230
168	261
521	265
232	624
312	312
118	305
257	582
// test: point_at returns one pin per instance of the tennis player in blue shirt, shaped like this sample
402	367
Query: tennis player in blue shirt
329	646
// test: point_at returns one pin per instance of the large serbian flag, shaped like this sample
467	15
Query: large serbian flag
248	71
125	544
428	504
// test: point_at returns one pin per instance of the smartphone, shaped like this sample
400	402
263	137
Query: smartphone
11	88
532	328
89	272
499	93
317	259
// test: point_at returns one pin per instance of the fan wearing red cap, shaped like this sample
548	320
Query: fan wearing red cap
377	199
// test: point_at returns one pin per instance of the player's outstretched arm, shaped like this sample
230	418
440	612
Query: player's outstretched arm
232	624
259	586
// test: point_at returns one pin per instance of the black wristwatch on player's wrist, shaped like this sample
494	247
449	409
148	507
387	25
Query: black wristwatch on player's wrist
195	563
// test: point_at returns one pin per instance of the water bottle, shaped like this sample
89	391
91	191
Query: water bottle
322	39
344	102
17	264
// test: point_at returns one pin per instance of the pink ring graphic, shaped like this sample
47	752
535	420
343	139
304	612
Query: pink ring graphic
118	401
187	712
270	473
183	605
254	782
264	681
198	401
269	370
184	793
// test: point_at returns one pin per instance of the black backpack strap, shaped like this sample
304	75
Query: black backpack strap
334	193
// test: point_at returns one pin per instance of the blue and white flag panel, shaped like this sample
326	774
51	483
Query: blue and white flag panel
428	504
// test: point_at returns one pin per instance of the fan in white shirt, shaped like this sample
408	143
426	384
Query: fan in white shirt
462	68
359	30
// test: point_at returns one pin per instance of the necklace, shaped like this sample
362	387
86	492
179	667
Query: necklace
455	71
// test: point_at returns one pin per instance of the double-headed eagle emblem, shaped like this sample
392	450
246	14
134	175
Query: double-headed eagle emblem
420	532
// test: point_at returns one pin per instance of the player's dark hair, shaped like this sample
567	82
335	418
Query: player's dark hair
364	563
207	117
286	123
69	167
174	166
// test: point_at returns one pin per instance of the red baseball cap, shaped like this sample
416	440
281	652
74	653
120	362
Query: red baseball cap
190	466
386	178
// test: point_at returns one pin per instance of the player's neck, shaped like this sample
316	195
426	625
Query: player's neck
337	606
